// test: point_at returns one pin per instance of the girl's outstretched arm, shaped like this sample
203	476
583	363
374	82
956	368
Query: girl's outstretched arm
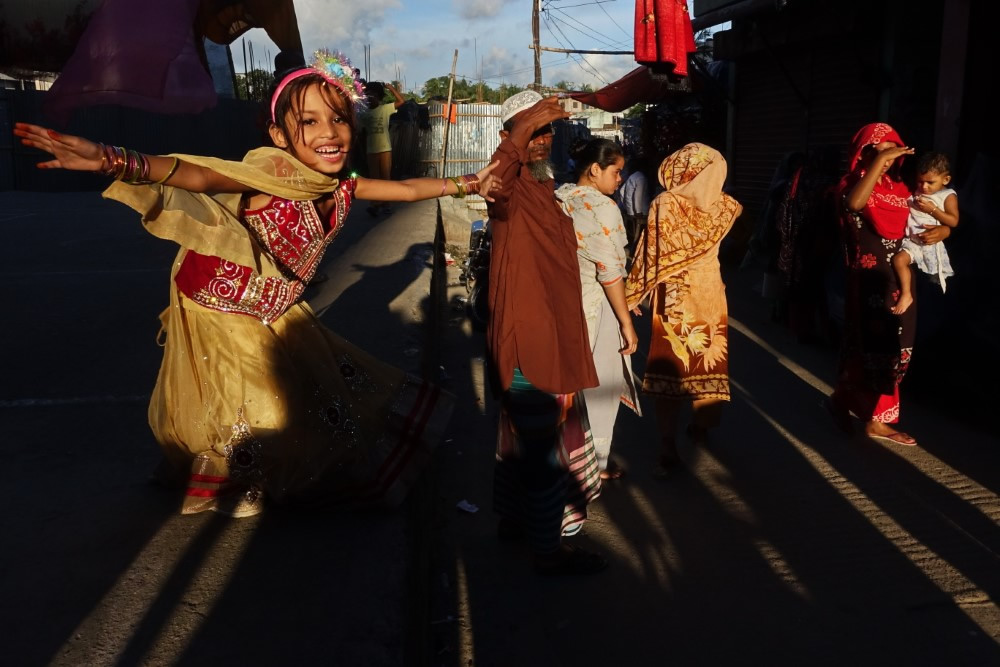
417	189
79	154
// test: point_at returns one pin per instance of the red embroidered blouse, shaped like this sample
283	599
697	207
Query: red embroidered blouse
292	234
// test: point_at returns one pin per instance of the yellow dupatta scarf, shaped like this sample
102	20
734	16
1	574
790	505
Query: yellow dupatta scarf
685	221
209	223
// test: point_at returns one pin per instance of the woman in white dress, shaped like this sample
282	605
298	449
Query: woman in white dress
601	243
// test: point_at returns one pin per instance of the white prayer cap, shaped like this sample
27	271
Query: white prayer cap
517	103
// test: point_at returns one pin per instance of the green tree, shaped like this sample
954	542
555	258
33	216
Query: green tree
437	87
574	87
466	90
463	89
254	85
635	111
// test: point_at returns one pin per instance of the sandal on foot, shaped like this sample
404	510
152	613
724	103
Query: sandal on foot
613	471
841	417
897	438
576	561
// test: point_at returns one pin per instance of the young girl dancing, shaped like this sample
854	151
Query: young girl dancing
255	398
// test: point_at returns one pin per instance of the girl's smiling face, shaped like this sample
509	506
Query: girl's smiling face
319	130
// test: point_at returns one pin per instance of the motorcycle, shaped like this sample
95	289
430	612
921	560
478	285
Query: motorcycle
476	274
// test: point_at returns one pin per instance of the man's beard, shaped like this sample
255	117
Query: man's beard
541	170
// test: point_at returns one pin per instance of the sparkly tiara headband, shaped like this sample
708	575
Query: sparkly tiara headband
335	68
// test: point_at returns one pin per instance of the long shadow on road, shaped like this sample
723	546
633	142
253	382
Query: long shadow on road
782	542
98	568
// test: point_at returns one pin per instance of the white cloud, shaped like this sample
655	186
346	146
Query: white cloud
341	24
610	68
414	39
479	9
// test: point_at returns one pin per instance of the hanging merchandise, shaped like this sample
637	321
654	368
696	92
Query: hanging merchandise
663	35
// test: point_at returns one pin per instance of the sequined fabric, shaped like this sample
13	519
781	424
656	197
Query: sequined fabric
278	407
291	235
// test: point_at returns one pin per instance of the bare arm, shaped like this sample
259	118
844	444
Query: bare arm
534	117
859	194
934	234
946	216
615	293
417	189
79	154
398	99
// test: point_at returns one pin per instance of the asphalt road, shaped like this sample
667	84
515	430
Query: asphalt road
784	543
96	567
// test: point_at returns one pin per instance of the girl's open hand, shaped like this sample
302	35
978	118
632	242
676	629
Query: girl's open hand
488	182
70	152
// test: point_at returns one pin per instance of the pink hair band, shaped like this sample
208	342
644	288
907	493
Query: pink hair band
291	76
335	69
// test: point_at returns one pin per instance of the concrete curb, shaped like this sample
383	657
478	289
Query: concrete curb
452	228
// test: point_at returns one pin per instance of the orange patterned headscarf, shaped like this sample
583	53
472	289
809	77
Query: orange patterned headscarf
685	221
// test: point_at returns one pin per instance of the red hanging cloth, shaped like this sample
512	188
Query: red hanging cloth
663	34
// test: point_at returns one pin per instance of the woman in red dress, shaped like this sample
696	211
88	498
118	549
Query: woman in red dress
877	343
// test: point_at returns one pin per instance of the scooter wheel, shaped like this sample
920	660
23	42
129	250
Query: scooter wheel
477	307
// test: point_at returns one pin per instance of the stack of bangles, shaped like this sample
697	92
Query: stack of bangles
467	185
129	166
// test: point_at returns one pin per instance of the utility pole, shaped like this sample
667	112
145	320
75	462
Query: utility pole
536	7
447	118
479	96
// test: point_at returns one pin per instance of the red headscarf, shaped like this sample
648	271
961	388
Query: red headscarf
887	207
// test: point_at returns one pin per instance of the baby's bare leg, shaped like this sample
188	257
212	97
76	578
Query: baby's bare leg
901	265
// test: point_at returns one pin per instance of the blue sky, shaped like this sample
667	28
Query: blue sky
417	39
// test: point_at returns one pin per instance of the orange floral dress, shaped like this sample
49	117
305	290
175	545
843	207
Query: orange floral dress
677	265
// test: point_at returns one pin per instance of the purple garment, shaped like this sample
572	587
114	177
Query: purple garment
135	54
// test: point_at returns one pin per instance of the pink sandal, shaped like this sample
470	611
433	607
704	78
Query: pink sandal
897	438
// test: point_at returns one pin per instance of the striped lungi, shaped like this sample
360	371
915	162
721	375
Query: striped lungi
547	469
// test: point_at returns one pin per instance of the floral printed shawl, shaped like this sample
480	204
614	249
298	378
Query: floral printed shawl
685	221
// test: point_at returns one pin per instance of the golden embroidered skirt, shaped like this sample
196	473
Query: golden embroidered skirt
287	411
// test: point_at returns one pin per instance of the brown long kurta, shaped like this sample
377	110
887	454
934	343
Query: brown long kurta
537	322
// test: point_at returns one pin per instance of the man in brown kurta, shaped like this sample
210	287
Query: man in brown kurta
537	322
539	348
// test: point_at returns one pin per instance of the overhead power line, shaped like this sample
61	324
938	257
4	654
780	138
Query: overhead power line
605	53
593	71
593	34
581	4
629	36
